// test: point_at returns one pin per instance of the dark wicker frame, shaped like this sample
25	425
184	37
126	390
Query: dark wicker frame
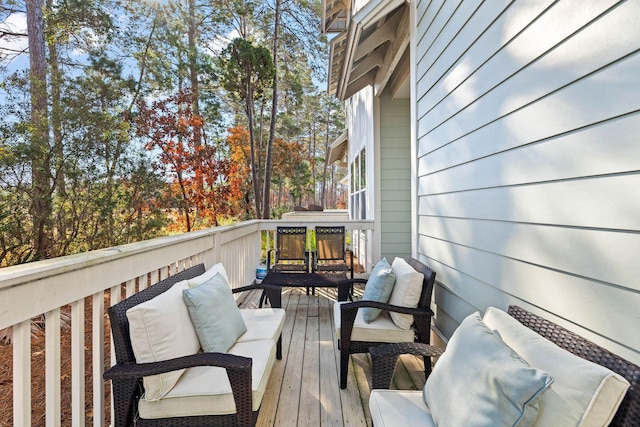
421	315
384	360
126	376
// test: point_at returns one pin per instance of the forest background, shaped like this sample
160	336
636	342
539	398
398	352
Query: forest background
126	120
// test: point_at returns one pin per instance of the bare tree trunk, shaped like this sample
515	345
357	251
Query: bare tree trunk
193	69
41	206
252	145
59	231
266	210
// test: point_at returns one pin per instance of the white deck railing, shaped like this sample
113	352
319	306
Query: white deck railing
83	282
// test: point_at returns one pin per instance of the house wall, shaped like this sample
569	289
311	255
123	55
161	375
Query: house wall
360	118
528	161
395	177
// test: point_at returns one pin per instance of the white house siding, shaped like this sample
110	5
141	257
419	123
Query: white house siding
361	134
395	177
528	186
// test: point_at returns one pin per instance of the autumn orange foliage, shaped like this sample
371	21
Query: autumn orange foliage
198	190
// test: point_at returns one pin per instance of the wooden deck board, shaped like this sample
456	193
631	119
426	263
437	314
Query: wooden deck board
330	406
303	389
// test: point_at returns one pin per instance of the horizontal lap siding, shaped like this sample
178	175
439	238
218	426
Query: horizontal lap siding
395	181
528	116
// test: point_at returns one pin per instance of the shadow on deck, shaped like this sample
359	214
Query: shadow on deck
303	389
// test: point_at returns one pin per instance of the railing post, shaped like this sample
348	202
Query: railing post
22	374
98	358
52	368
77	364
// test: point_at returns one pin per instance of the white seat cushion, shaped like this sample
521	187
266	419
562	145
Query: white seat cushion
161	329
406	291
262	323
380	330
583	393
395	408
205	390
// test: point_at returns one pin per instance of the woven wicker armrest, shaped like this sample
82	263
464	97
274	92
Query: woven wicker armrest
354	306
139	370
264	286
385	357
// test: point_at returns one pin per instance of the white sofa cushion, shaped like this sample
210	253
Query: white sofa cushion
394	408
262	323
161	329
583	393
406	291
380	330
214	314
479	381
205	390
378	288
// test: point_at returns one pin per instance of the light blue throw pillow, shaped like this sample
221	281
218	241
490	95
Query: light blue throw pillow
378	288
480	381
214	314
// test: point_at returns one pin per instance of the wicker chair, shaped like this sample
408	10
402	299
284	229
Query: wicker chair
421	314
126	376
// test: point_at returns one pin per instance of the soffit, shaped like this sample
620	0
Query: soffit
335	15
338	149
371	49
338	47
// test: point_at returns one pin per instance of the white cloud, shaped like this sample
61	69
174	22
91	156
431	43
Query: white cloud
220	43
15	23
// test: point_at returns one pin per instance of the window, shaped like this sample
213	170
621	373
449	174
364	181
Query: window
358	196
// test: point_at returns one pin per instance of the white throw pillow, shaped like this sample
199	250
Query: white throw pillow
583	393
208	275
480	382
406	292
161	329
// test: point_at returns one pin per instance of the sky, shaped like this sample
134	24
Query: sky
16	22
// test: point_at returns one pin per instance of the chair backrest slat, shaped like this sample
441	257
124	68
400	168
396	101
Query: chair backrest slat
291	243
330	243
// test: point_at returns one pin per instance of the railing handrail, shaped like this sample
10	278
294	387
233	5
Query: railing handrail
54	270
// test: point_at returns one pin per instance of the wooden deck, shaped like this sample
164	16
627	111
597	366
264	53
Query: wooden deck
303	388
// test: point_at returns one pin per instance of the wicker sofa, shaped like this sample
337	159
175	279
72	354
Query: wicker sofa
212	388
580	392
